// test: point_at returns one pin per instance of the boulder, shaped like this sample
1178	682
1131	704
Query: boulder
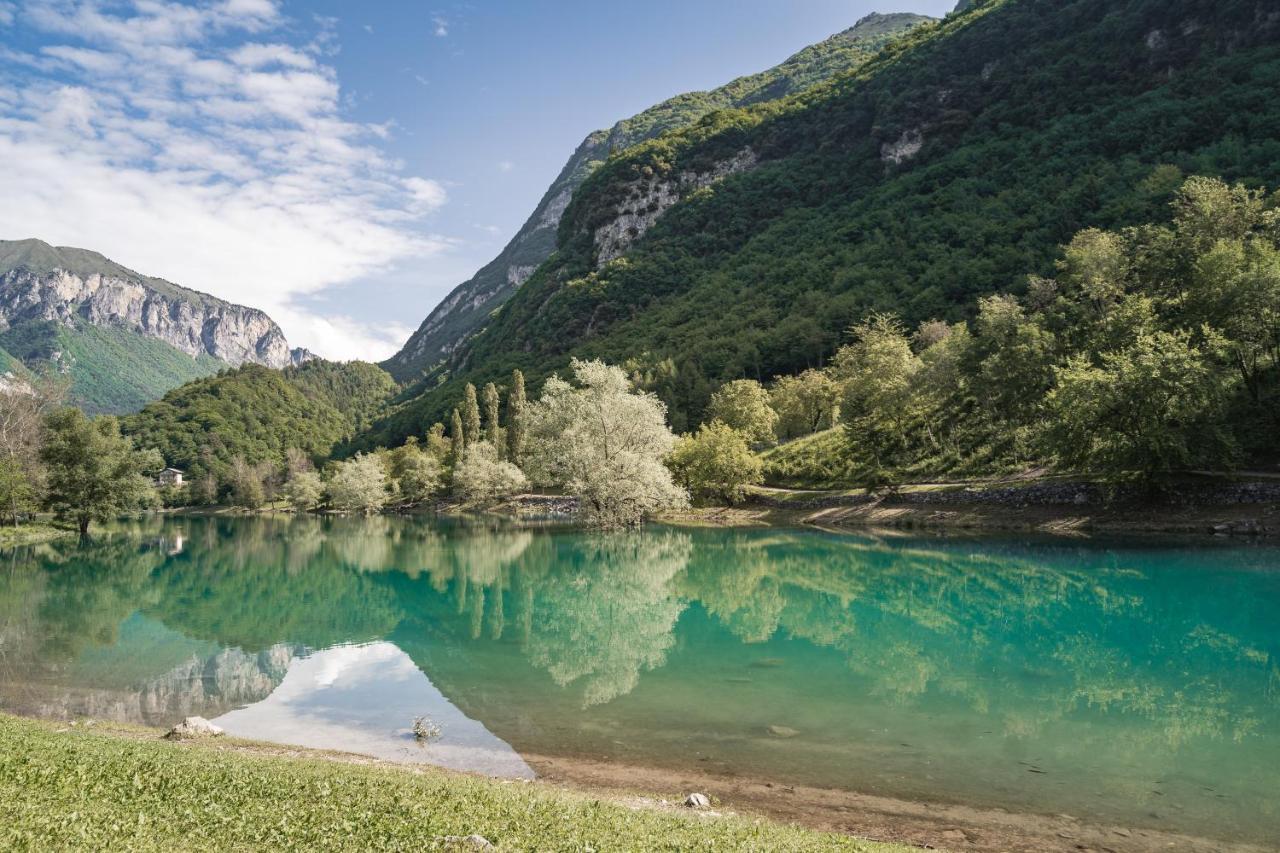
698	801
782	731
194	727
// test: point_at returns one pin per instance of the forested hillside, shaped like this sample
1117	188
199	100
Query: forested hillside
468	306
951	166
258	413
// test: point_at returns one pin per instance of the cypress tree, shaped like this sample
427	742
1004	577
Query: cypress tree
471	416
515	418
490	396
456	433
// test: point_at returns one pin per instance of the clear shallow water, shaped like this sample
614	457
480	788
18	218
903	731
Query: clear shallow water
1133	683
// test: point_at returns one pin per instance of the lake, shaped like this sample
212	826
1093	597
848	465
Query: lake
1135	683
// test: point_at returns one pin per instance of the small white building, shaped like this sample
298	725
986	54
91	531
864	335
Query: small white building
169	477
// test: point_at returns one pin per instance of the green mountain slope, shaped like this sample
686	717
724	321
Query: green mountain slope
123	338
258	412
469	306
112	368
948	167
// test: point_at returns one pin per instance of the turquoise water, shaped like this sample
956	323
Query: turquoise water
1136	683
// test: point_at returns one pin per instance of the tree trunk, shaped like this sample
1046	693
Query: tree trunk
84	525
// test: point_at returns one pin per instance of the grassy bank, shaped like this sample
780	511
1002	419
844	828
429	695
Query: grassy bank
122	789
32	533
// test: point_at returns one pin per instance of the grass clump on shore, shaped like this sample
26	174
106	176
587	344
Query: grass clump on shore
31	533
87	789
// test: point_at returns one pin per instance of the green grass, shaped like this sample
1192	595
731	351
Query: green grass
31	533
818	461
83	789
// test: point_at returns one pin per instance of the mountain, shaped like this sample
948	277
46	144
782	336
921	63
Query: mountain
952	165
470	304
122	337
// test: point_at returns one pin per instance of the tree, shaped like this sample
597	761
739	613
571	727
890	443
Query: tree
716	463
515	418
416	474
493	429
471	415
744	405
458	435
359	484
877	405
437	445
605	443
24	405
245	483
805	403
481	477
1154	407
304	490
94	472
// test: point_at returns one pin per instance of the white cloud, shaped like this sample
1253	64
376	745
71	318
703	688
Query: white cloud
179	141
441	26
6	14
506	166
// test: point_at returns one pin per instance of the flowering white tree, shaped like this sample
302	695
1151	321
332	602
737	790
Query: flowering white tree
605	443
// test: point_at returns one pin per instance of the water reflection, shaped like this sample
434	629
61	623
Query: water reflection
364	698
1116	681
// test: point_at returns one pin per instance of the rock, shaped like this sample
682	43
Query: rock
698	801
194	727
782	731
425	729
466	842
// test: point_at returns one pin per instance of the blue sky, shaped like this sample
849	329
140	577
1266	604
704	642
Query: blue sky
341	165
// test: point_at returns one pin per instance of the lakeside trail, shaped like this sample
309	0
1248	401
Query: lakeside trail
90	784
980	507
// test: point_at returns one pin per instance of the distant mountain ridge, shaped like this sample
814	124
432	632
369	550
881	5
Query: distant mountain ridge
468	306
102	322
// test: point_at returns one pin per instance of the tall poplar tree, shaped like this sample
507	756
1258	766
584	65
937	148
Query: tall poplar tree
471	415
458	435
515	418
492	427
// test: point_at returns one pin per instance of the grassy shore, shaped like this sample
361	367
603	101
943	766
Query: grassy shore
118	788
32	533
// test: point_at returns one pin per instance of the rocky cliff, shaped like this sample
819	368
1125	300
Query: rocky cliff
39	282
468	307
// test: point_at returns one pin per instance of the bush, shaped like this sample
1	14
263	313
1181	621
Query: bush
716	463
359	484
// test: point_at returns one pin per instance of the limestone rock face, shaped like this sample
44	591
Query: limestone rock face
646	199
41	282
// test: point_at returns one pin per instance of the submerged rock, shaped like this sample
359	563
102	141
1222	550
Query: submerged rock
783	731
194	727
698	801
424	728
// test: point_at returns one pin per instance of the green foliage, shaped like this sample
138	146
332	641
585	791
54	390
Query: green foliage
471	415
358	484
515	418
304	491
805	403
744	405
246	483
17	491
604	442
94	473
111	369
1154	407
716	463
492	425
45	770
482	478
259	414
1038	120
416	474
